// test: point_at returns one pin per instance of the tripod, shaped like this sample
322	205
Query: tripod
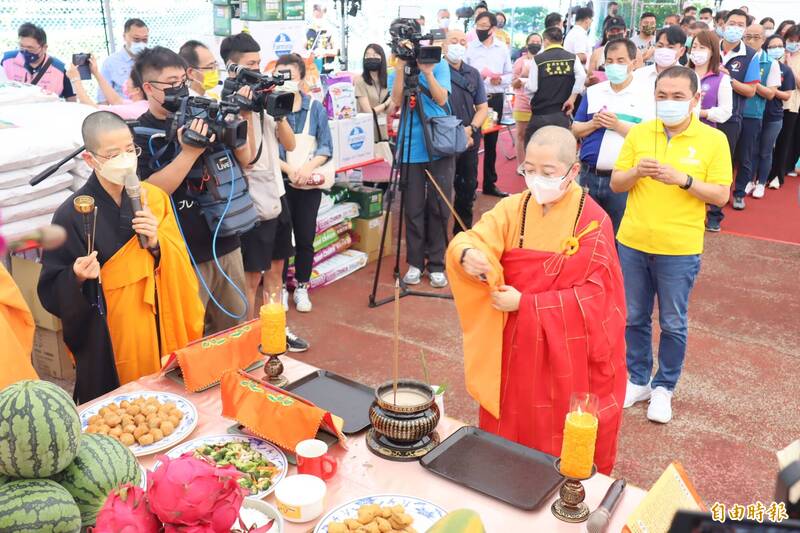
398	180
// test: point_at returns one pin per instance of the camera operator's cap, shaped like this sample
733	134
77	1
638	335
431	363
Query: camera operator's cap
615	23
482	4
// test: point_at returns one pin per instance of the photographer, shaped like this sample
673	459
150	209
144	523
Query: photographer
267	246
203	70
426	213
162	73
130	107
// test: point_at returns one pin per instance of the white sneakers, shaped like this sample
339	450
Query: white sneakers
438	280
758	192
749	187
660	409
413	276
301	300
775	183
636	393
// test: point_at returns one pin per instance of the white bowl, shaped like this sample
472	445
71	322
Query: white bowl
269	512
301	498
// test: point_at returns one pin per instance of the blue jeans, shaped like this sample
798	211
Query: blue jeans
746	154
671	278
599	187
769	134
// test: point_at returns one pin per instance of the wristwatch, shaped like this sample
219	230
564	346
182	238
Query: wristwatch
475	129
688	184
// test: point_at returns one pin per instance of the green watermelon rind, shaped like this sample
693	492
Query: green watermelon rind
37	506
101	465
39	429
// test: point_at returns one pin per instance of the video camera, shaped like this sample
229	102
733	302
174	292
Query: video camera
262	86
405	43
222	118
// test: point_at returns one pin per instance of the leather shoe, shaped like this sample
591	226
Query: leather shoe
494	191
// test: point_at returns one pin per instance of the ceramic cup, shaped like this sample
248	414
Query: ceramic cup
301	498
313	459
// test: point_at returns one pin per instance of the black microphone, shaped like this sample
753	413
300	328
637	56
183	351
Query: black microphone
133	188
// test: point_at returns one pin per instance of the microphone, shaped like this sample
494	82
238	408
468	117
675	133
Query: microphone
47	237
598	520
133	188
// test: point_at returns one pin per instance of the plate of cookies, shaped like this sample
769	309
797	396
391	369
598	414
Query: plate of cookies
147	422
384	513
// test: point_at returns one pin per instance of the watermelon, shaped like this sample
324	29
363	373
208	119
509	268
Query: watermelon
37	505
4	479
39	429
102	464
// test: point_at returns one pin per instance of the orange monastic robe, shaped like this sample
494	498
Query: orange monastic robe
16	332
568	334
137	292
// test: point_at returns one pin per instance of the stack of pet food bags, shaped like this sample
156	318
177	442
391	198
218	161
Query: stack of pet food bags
333	259
36	131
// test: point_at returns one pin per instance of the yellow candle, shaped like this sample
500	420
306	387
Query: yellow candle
273	328
577	449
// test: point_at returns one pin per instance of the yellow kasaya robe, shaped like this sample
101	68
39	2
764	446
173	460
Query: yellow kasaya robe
16	332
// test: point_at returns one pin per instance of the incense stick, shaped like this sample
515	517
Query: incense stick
396	354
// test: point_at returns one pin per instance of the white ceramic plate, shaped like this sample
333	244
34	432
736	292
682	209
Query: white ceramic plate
271	452
424	513
184	429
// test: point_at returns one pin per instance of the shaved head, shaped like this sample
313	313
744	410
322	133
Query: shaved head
560	140
97	125
456	34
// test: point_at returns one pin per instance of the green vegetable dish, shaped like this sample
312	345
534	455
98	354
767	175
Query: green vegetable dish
258	468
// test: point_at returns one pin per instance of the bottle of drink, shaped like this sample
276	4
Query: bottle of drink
316	179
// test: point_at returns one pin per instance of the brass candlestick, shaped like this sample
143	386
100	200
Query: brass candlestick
84	205
569	507
273	369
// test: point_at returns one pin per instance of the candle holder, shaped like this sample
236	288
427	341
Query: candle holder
273	369
569	507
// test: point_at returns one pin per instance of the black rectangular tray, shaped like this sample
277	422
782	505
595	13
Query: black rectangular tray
343	397
510	472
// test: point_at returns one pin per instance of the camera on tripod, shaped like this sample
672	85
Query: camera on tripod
264	97
221	117
405	44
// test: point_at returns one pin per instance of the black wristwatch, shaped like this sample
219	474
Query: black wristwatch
475	129
689	180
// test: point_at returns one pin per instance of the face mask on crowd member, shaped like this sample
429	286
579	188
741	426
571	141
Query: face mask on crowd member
456	46
734	27
136	36
647	26
534	45
676	97
619	63
32	51
203	68
169	82
669	47
546	175
793	46
775	48
484	28
117	158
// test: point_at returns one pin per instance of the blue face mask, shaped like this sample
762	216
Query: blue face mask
793	47
775	53
29	57
136	48
616	74
733	34
672	112
720	31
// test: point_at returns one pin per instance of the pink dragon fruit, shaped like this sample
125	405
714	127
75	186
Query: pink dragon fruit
125	511
193	496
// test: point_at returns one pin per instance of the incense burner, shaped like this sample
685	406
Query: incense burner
403	427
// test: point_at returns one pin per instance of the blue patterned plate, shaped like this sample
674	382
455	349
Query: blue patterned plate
270	452
424	513
184	429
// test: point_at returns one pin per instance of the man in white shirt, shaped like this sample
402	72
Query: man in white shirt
578	41
670	47
645	40
491	58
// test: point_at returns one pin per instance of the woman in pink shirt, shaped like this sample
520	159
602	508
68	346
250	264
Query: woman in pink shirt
131	107
522	102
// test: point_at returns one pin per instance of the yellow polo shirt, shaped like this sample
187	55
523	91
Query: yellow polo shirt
665	219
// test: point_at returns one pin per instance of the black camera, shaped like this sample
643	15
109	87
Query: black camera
222	118
465	12
82	62
262	86
406	37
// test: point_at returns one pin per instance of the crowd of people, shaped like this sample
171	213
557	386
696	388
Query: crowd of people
652	124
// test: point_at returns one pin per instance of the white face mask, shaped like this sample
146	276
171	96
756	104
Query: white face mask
545	190
118	168
665	57
444	23
769	32
456	52
699	57
135	48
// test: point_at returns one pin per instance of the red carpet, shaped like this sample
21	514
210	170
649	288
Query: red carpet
776	217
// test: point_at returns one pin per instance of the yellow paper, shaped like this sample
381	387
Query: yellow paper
672	492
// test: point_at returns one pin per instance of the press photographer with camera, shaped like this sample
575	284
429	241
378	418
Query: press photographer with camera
203	70
426	213
176	165
129	107
31	63
266	247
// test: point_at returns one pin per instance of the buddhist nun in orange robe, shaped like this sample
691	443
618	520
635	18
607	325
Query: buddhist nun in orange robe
124	308
540	297
16	332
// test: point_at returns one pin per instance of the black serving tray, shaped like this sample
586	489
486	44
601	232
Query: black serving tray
510	472
343	397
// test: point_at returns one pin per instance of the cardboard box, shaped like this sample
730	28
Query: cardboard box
26	274
353	140
51	356
366	237
369	200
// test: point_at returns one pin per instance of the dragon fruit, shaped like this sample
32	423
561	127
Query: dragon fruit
193	496
125	511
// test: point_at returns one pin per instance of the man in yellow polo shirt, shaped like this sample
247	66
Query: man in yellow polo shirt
671	167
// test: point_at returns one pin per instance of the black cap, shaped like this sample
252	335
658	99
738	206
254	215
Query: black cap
614	22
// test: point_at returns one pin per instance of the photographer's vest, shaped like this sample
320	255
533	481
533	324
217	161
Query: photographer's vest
556	77
52	80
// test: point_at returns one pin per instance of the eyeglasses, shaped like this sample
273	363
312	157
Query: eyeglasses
172	84
30	49
137	151
213	66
